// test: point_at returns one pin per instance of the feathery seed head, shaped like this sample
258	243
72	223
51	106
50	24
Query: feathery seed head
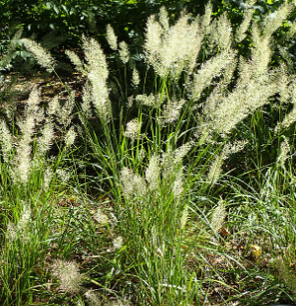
288	120
25	218
285	151
130	101
222	114
95	57
293	91
184	217
22	165
118	302
167	164
228	75
210	69
275	19
206	18
178	186
261	53
172	161
232	148
48	175
147	100
132	183
42	56
86	100
27	126
141	154
216	166
6	142
152	173
34	100
124	53
11	232
117	243
111	37
74	58
182	151
285	89
63	175
54	106
172	50
5	62
171	111
45	142
286	56
93	298
65	113
242	29
100	217
153	40
215	169
67	272
133	129
98	75
135	78
163	18
70	137
100	95
221	34
218	216
22	159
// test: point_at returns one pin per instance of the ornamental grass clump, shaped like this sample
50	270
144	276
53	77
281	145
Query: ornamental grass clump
154	205
217	94
156	138
219	111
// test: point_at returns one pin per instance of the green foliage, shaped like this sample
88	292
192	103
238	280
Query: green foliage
73	17
54	23
236	10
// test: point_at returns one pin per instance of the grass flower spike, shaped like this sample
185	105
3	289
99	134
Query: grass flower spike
168	50
67	272
124	53
98	75
42	56
111	37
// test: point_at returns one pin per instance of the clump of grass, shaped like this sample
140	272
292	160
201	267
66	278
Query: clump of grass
31	177
156	141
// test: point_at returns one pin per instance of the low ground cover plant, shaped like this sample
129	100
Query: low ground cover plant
169	182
